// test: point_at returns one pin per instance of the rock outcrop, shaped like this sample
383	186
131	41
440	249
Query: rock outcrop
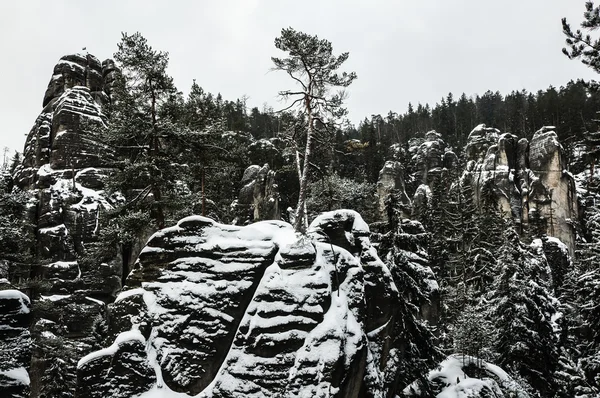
254	311
467	376
429	156
552	193
65	163
259	197
391	182
491	157
530	179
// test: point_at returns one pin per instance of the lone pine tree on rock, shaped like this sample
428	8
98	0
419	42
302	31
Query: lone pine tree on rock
314	68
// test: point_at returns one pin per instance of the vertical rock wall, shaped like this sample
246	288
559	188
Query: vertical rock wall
530	179
65	163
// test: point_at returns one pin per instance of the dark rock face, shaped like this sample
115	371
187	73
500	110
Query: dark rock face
255	311
428	156
126	367
391	181
15	342
559	260
65	164
76	70
259	197
530	178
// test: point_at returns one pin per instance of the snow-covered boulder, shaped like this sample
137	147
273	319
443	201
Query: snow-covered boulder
463	376
129	370
256	311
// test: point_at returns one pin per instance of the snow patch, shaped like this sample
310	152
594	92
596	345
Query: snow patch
131	335
20	375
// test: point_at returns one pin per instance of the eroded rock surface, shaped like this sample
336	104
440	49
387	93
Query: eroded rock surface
65	164
254	311
391	182
259	196
530	179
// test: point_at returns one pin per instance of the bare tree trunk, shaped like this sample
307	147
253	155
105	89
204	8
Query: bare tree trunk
203	195
301	221
154	144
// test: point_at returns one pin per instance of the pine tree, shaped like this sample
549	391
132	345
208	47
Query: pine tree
472	332
438	224
404	247
312	65
141	131
580	44
589	299
16	234
58	379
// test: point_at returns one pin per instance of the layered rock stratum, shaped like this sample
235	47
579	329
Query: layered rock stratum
531	179
214	310
65	164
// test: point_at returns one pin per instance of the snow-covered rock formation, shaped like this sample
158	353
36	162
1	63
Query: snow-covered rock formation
65	164
430	155
214	310
463	376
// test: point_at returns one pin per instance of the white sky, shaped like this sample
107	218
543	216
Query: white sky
402	50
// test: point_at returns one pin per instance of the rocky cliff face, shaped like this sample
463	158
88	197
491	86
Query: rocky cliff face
259	197
391	182
530	179
255	311
64	167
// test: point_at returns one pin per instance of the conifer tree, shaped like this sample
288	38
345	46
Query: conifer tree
314	68
406	259
140	131
521	310
581	45
472	332
16	235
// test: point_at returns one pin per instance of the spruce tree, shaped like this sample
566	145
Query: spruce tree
404	246
16	234
521	310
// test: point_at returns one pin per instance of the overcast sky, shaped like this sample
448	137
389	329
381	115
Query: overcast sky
403	51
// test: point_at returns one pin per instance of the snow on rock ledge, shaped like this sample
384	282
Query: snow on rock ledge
464	376
15	343
255	311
